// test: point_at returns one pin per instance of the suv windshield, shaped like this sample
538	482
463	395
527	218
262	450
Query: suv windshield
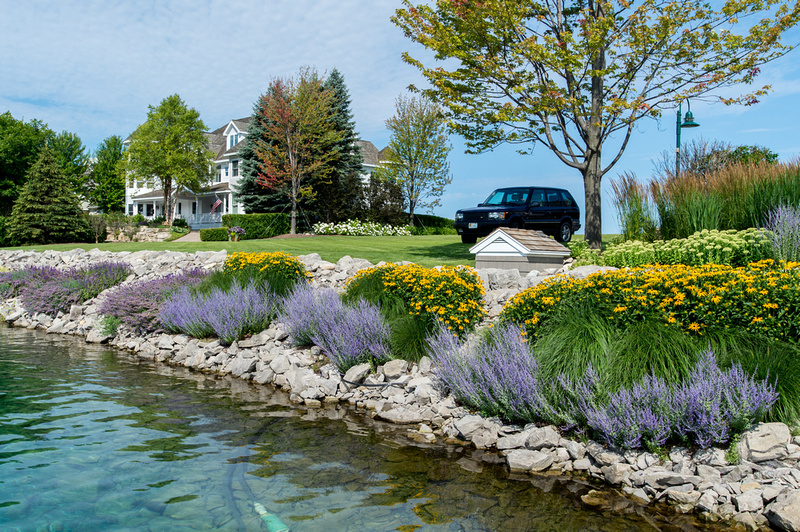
508	196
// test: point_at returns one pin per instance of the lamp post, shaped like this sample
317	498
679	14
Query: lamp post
688	121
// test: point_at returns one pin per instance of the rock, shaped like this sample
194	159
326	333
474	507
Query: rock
747	521
749	501
765	441
688	498
240	366
576	450
468	425
708	474
711	457
542	438
784	512
708	502
602	455
402	415
616	473
280	364
582	272
96	337
394	369
356	374
637	494
528	461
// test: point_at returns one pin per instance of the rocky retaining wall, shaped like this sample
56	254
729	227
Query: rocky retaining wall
762	490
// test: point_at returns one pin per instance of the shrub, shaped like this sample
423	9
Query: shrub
357	228
278	269
426	224
229	314
359	335
137	304
180	222
12	282
450	295
636	213
783	231
265	225
304	308
214	234
71	287
761	298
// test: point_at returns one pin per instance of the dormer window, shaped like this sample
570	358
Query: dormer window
233	140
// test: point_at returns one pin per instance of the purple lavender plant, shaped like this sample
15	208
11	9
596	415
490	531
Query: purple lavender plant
11	283
358	334
137	304
228	314
303	309
498	376
783	225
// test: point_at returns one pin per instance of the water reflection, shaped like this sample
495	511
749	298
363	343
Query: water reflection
93	439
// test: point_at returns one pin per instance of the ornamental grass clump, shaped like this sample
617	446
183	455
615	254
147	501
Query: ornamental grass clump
279	270
50	293
359	335
137	304
227	314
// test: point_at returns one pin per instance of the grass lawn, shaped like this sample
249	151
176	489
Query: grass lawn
424	250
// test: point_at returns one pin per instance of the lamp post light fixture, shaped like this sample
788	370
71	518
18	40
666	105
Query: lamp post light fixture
688	121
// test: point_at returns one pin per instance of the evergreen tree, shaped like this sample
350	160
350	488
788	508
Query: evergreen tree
48	210
341	196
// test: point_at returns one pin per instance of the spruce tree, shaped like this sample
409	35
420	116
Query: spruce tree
341	197
47	210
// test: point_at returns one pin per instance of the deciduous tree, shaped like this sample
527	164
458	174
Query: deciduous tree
575	74
20	144
71	156
416	158
296	116
106	186
48	210
171	147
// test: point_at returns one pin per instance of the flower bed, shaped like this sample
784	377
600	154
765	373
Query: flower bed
763	298
358	228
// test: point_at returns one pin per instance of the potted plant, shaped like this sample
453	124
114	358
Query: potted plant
235	233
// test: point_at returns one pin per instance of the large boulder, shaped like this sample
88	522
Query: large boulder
528	461
784	512
764	442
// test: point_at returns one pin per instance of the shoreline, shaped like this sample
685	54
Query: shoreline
763	490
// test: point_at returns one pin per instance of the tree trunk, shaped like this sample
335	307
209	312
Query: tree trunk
591	185
293	218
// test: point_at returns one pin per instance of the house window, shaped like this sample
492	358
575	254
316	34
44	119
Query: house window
179	207
194	207
225	205
149	209
140	209
235	167
130	209
218	175
226	170
234	139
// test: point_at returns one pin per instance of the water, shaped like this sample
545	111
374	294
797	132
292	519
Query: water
91	439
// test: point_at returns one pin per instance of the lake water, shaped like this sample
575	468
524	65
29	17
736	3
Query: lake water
92	439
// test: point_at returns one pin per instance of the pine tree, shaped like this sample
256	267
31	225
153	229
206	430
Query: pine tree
48	210
342	196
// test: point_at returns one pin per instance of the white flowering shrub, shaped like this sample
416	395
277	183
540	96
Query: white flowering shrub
358	228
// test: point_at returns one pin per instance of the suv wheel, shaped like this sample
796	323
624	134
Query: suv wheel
468	239
564	232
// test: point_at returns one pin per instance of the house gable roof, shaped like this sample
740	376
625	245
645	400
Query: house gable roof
519	242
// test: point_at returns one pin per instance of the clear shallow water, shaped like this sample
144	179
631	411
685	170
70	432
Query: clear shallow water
90	439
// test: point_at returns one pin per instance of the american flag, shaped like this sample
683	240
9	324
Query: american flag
217	203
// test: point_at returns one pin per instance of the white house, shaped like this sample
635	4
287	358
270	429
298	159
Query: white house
200	209
203	209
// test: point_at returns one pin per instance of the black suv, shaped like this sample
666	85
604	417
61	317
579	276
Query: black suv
550	210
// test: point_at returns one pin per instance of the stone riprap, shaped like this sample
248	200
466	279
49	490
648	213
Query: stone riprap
761	491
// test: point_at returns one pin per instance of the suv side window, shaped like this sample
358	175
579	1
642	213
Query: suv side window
554	198
568	201
538	195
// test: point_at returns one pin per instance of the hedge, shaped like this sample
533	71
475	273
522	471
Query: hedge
266	225
215	234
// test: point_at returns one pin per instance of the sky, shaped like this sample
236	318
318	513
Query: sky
92	67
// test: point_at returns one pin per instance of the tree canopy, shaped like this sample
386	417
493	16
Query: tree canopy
572	75
106	185
172	148
48	210
71	156
416	158
296	116
20	144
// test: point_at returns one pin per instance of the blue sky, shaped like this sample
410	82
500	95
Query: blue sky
93	67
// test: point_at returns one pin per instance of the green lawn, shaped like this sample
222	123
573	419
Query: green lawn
424	250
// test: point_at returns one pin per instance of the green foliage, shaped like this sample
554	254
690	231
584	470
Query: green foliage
732	248
71	156
180	223
20	144
106	186
384	201
98	226
416	158
170	146
636	214
4	238
299	139
279	270
732	452
214	234
265	225
575	76
48	210
109	325
427	224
